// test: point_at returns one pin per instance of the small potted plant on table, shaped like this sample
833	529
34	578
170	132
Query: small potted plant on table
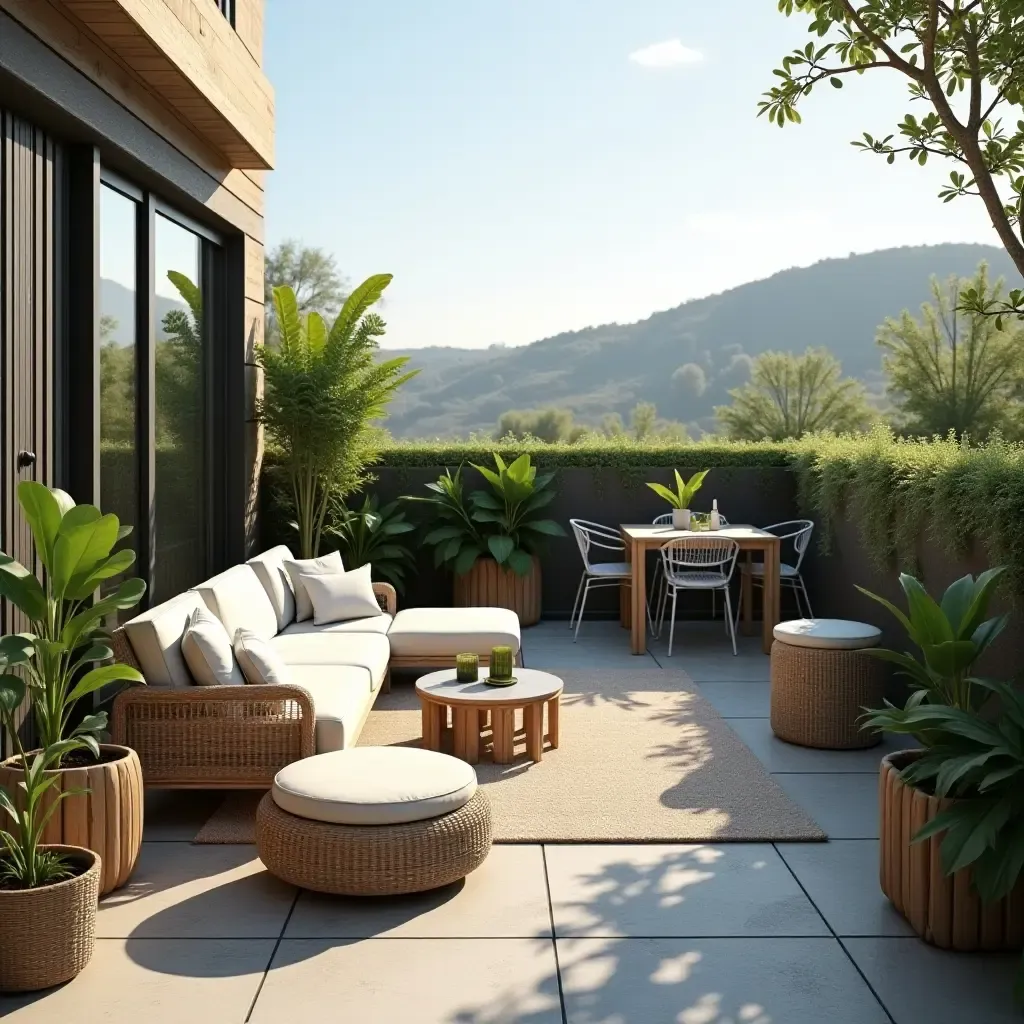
48	893
681	498
952	811
63	652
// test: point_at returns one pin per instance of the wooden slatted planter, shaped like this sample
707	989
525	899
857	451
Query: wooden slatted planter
488	585
943	909
107	819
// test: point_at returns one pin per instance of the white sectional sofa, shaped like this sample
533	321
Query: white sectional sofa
239	736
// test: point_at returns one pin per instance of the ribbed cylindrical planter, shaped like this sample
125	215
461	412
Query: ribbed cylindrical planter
107	819
944	910
47	935
489	585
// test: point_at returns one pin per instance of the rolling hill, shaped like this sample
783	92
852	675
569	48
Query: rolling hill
837	303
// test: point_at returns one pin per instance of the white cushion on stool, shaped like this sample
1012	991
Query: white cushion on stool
828	634
374	786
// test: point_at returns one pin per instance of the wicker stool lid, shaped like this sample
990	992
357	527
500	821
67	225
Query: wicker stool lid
828	634
374	786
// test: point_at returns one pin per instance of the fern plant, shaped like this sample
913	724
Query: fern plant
322	391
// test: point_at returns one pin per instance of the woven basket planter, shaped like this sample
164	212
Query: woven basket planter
943	909
107	819
374	860
47	935
488	585
818	696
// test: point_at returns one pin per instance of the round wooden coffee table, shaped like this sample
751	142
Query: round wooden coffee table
472	703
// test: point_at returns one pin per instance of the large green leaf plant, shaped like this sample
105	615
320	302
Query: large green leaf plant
500	522
685	492
371	533
58	658
970	730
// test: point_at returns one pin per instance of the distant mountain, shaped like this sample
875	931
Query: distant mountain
837	303
118	302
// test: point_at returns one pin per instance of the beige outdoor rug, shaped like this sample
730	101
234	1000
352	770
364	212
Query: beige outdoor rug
642	758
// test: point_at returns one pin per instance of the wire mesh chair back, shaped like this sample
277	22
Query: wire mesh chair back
700	553
590	535
798	531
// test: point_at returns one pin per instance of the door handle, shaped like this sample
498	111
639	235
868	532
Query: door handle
26	459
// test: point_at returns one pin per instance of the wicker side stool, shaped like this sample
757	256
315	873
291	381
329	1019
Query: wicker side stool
348	839
821	681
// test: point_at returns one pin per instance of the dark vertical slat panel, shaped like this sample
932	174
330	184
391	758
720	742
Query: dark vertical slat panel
145	361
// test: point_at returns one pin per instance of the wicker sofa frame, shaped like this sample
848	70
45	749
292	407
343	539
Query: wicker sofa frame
226	737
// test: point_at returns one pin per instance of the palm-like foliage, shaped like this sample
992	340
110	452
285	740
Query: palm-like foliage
74	544
685	490
369	534
322	390
501	521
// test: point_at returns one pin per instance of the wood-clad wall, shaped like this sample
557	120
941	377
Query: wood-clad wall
30	170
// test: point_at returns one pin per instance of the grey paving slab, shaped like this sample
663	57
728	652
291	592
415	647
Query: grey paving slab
679	890
841	877
713	981
413	981
750	699
506	897
181	891
703	668
779	756
155	981
922	985
845	806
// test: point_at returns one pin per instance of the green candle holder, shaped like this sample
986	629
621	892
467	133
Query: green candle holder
501	667
467	668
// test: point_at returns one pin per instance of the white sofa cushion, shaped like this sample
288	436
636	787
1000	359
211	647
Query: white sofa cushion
259	662
338	596
238	599
450	631
828	634
342	698
370	651
155	636
207	650
374	786
308	566
270	571
371	624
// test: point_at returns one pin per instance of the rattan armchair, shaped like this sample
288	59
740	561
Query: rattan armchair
217	737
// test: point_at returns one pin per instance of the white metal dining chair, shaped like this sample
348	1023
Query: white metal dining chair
700	562
798	531
592	536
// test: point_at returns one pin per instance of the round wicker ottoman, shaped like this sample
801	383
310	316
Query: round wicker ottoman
374	821
822	680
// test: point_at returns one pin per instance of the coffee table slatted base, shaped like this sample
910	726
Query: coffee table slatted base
468	726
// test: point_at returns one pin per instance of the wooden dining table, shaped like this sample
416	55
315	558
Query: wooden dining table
640	538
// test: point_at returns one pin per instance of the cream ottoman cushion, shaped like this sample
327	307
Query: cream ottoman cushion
374	786
828	634
445	632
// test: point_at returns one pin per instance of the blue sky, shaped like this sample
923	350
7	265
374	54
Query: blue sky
521	175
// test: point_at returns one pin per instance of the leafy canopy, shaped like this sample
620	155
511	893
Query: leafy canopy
790	395
322	391
963	64
311	273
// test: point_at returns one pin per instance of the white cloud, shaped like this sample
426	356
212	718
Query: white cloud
668	54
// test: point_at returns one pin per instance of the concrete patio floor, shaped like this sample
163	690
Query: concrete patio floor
642	934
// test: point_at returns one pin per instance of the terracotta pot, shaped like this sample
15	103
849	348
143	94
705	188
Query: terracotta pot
944	910
488	585
47	935
107	819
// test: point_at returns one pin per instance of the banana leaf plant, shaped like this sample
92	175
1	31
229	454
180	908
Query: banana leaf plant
24	862
59	655
685	492
951	634
500	522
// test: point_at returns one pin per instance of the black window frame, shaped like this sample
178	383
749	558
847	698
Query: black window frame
227	8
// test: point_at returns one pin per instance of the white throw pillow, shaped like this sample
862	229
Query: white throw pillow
259	662
206	647
341	595
297	568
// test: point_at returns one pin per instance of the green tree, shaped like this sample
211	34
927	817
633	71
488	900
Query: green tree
962	59
322	391
311	273
551	425
690	379
953	369
791	395
643	420
179	369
